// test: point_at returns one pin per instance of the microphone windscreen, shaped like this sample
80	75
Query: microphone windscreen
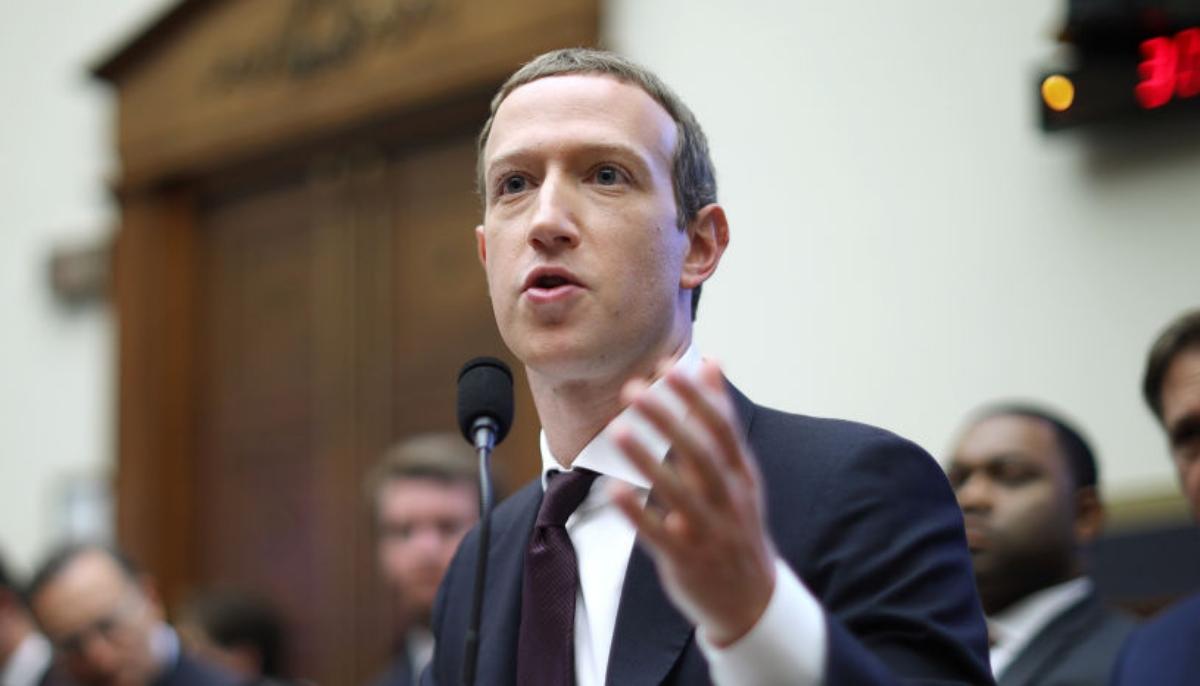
485	389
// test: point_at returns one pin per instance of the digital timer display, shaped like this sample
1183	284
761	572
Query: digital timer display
1170	68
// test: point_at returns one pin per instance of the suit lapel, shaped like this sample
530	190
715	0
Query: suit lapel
501	619
650	633
1042	650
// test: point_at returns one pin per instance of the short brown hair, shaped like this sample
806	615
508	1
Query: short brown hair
1180	335
442	457
693	176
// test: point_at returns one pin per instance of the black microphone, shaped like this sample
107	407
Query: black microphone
485	401
485	413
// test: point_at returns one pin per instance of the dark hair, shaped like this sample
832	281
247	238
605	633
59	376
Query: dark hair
693	175
443	457
1073	447
60	557
232	619
1181	334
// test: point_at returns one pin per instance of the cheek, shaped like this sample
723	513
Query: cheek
1189	476
1029	515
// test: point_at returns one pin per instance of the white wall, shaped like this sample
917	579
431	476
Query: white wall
56	364
907	244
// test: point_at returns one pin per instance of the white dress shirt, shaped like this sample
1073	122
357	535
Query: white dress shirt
27	663
785	646
419	643
1013	628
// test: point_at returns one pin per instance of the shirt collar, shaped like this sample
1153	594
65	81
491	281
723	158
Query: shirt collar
601	454
164	644
1021	621
28	662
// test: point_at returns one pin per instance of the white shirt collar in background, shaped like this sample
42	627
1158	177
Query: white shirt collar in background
1019	623
28	662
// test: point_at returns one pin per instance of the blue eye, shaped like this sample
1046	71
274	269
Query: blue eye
607	176
512	184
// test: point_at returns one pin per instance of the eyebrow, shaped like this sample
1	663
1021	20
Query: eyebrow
620	151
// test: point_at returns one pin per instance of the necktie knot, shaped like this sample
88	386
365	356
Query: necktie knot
564	492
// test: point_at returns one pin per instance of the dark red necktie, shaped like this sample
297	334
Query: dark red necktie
546	642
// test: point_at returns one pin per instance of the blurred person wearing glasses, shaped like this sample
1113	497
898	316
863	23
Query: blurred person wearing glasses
105	622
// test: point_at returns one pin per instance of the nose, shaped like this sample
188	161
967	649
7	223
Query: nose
974	493
553	226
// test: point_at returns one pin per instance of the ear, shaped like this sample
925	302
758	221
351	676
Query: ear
481	245
708	236
1089	515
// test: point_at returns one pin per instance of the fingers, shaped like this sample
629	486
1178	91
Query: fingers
661	531
708	401
668	486
693	451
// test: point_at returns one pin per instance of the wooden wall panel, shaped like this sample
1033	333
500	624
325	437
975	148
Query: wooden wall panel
296	287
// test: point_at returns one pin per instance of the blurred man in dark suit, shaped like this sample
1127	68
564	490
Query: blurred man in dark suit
105	622
25	656
1166	651
1027	484
773	548
424	496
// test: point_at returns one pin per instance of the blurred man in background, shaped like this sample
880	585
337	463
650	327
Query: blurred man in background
106	624
425	496
1166	651
25	656
238	631
1027	485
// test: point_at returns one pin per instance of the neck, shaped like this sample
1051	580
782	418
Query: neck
996	601
574	410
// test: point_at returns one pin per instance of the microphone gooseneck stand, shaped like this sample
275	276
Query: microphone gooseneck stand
484	433
485	414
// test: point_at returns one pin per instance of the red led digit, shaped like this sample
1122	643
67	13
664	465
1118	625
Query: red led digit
1157	70
1187	50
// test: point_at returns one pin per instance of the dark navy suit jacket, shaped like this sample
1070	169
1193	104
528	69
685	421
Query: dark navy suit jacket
1165	651
866	519
1076	648
189	671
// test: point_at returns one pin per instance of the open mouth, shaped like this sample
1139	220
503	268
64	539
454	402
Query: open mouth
549	279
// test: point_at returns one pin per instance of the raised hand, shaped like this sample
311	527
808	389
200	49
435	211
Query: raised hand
704	524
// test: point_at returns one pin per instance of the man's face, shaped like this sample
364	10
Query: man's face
580	239
1017	501
1181	419
421	522
100	622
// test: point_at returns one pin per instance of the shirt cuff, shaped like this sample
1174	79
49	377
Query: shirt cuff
785	646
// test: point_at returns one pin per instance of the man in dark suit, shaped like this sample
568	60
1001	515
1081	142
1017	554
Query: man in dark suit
771	548
1164	651
1026	482
105	622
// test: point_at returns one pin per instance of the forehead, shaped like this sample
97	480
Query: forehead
87	588
1181	387
559	112
1011	436
415	495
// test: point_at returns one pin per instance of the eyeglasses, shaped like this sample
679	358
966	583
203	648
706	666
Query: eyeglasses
106	627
